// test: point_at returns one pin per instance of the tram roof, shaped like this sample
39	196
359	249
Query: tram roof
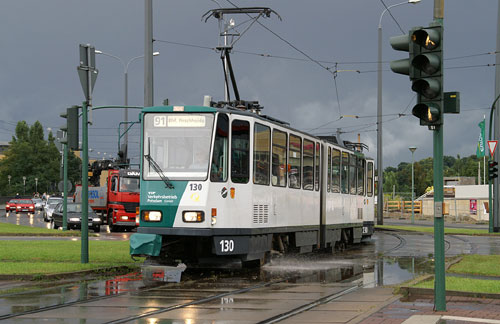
268	119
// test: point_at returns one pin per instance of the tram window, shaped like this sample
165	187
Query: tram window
261	150
335	170
294	161
369	179
240	151
361	177
218	171
329	169
279	159
344	176
352	174
308	167
316	170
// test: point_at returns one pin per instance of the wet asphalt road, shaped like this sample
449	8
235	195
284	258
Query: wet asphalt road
246	296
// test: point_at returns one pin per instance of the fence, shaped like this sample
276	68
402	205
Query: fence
403	206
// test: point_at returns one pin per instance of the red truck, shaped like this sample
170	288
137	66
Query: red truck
117	200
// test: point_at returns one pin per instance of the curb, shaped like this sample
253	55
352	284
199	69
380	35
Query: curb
411	292
63	275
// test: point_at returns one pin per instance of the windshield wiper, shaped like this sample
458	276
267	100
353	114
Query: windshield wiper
157	168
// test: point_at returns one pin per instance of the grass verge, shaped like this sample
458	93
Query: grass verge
480	265
7	229
422	229
472	265
465	284
50	257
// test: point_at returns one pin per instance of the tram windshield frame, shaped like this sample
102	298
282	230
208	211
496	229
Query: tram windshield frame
179	143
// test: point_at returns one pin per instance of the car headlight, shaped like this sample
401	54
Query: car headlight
124	217
31	207
97	219
151	216
18	207
193	216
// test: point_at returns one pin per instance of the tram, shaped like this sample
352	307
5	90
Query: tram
223	184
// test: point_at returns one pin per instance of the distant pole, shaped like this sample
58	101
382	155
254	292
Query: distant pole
24	185
380	168
148	54
36	185
412	150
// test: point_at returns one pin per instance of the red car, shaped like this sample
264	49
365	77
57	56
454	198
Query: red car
11	205
25	205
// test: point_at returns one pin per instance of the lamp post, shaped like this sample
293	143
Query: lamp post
380	169
24	185
36	185
412	149
125	76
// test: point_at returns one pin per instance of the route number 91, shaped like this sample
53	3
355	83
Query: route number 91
226	245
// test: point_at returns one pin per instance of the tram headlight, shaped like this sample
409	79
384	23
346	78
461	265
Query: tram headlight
151	215
193	216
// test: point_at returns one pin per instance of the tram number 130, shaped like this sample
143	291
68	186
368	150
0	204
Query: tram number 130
226	245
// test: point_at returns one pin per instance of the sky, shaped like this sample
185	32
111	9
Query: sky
39	55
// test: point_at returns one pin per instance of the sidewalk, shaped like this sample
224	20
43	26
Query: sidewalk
459	310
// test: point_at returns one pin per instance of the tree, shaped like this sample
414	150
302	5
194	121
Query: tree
30	155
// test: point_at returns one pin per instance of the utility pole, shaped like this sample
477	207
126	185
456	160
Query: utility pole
494	207
148	54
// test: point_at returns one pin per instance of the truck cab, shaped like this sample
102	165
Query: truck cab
122	198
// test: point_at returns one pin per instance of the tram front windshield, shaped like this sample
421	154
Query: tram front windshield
179	143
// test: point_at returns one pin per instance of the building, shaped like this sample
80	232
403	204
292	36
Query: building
4	146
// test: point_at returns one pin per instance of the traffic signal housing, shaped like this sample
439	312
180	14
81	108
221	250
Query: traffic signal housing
71	128
425	69
492	170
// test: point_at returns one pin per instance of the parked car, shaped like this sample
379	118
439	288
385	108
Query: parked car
38	203
52	202
11	205
25	205
74	217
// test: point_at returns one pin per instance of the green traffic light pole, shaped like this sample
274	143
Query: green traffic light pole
490	199
85	185
65	187
439	262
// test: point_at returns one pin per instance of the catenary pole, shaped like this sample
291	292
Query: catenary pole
148	54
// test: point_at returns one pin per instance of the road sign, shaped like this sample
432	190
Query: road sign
492	145
60	185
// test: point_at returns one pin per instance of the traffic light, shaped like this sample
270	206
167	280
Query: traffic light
492	170
71	127
425	69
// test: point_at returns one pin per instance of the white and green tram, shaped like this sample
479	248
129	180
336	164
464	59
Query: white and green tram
228	186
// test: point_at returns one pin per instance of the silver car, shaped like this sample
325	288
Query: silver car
50	205
38	203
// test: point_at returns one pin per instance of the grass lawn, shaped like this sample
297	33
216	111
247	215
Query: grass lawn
464	284
482	265
47	257
7	229
456	231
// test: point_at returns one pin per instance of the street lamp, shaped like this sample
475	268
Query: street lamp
125	74
412	149
380	169
24	185
36	185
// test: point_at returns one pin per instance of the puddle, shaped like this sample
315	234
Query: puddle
386	271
